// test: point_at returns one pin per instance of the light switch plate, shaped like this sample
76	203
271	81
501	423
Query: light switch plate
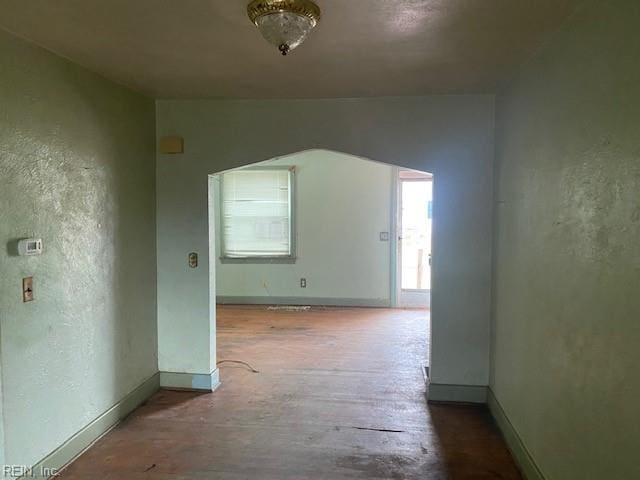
384	236
27	289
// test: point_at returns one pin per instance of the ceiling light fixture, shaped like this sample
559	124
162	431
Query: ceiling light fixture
284	23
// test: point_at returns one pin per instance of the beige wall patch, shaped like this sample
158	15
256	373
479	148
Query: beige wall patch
172	144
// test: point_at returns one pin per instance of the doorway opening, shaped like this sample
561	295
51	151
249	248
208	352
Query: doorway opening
313	238
414	219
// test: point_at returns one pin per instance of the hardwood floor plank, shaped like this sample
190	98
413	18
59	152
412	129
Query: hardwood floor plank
339	395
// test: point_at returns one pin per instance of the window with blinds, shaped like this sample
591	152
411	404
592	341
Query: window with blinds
257	213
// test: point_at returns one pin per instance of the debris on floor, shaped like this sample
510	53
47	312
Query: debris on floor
240	362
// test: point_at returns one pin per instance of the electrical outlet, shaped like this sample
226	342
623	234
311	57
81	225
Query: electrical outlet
27	289
303	283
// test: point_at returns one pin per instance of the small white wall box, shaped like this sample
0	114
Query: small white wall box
30	246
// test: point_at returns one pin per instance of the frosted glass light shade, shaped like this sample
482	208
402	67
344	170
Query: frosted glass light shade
284	23
285	30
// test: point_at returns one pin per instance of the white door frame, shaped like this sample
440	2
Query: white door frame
393	244
402	298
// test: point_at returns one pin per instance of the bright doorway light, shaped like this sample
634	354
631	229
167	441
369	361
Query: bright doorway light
415	191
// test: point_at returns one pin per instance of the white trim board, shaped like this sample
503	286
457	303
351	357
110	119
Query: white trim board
519	451
393	244
440	392
199	382
414	298
314	301
87	436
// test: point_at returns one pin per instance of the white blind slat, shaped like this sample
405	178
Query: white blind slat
256	213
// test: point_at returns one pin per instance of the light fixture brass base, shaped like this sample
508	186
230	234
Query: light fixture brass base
258	8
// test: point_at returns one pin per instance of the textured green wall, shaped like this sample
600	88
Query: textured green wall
566	325
77	170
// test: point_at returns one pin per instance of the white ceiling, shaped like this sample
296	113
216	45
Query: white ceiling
208	48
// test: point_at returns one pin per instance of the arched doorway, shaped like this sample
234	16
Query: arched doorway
450	137
319	228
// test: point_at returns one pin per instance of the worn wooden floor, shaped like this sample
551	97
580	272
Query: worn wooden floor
339	395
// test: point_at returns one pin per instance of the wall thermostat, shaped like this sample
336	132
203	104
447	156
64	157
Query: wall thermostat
30	246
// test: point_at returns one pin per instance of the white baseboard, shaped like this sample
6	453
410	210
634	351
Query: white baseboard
86	437
519	451
314	301
440	392
200	382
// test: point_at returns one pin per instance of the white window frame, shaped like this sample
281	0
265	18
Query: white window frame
291	258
